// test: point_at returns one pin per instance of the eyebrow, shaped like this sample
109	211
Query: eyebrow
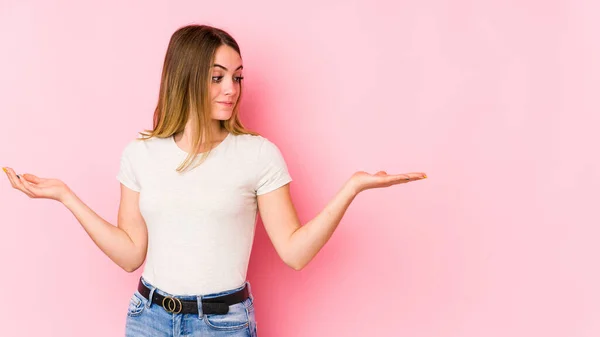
220	66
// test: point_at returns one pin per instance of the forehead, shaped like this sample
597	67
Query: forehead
228	57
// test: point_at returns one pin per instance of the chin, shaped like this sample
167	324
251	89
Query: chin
222	117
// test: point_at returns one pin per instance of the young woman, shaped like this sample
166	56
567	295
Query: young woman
190	191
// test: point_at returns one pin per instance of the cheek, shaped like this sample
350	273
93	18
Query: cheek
214	91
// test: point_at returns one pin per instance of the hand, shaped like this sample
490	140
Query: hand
363	181
36	187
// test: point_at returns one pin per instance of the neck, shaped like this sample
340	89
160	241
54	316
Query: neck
184	139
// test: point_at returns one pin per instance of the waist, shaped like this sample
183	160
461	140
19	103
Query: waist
201	279
217	303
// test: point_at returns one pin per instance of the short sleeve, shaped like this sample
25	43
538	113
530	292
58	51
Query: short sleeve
272	168
126	174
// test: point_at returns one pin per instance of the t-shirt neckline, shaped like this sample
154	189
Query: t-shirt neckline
181	151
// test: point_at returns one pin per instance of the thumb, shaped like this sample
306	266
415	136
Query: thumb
32	179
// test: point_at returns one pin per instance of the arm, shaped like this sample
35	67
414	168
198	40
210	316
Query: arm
297	245
124	244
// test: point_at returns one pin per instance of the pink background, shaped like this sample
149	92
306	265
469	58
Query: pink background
497	101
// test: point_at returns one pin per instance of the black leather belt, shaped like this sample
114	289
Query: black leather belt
216	305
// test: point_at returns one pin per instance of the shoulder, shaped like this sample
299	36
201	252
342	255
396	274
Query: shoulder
249	142
139	145
256	144
248	138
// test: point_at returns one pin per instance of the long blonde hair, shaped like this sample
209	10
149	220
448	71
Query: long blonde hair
184	89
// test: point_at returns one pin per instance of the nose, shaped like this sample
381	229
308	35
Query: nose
230	88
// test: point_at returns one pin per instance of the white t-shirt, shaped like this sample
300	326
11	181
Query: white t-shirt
201	222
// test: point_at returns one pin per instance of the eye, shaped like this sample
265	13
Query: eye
236	79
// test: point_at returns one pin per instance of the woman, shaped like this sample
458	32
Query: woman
190	191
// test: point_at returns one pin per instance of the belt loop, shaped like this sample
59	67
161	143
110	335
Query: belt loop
152	288
199	303
250	290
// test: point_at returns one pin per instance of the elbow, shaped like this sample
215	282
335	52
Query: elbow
134	263
296	267
294	264
130	268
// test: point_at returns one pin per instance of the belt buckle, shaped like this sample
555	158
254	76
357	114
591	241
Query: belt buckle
172	304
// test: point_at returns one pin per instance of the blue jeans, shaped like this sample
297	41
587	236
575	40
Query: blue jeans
148	319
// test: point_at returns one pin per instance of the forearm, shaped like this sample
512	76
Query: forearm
112	240
308	240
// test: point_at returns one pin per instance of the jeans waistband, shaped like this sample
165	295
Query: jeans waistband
195	297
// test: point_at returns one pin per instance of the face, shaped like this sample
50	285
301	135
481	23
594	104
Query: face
225	82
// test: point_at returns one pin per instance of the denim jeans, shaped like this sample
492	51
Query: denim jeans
148	319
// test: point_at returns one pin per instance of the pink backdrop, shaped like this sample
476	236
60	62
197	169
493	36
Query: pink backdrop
497	101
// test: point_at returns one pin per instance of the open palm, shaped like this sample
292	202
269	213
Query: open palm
364	181
36	187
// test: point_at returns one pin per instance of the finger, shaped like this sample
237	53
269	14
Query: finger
25	186
414	175
32	190
418	175
10	177
32	178
404	178
21	185
18	183
396	179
